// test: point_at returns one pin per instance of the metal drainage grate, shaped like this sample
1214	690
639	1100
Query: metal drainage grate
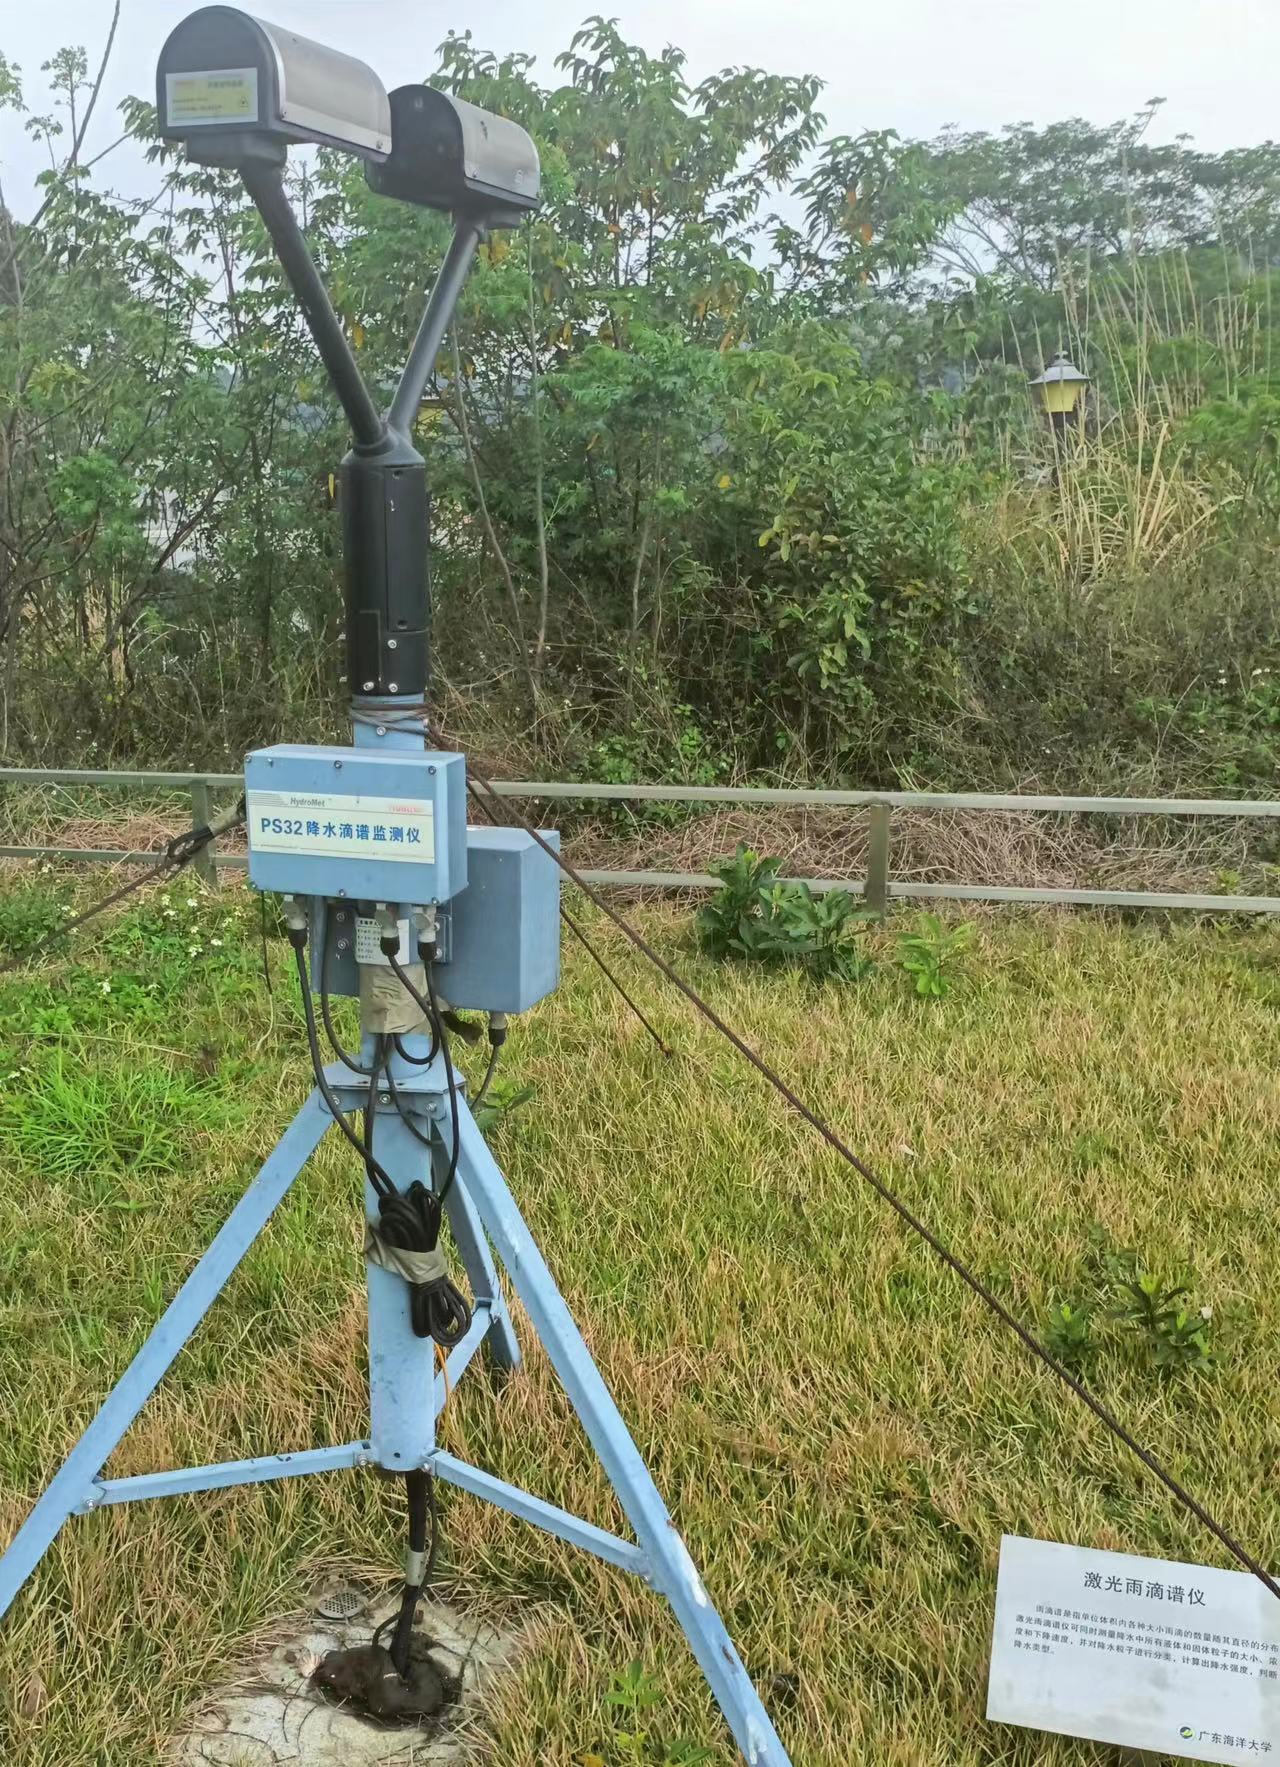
342	1603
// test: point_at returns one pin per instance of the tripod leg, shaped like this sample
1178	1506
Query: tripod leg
73	1483
482	1273
670	1567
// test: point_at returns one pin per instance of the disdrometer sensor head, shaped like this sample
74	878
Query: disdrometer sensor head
451	155
235	89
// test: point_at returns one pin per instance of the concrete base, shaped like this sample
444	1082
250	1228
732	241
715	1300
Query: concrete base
270	1714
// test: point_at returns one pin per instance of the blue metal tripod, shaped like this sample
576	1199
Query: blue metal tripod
406	1393
373	838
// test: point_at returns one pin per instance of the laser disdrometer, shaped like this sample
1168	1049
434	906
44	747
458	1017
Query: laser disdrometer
391	896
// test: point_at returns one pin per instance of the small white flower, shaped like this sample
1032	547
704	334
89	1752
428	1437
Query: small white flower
1206	1312
171	913
216	943
106	987
193	901
1258	672
194	950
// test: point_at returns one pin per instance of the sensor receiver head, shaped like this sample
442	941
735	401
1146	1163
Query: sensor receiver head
448	154
233	88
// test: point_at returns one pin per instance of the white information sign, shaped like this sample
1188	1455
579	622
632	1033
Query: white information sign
342	827
222	97
1142	1652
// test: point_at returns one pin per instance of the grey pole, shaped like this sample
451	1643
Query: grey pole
435	322
266	187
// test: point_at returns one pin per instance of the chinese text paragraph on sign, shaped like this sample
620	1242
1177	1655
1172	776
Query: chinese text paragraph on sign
1176	1658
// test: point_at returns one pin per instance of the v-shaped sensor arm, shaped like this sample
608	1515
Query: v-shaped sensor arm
237	92
368	426
385	504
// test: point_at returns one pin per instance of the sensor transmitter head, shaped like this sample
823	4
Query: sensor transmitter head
451	155
233	89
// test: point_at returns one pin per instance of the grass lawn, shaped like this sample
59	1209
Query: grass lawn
841	1430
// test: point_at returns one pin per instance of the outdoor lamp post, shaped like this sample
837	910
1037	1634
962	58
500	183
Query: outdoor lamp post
1060	391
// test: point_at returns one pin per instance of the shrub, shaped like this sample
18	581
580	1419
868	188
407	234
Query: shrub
753	916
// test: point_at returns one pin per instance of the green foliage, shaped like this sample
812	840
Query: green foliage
1175	1336
753	916
503	1098
744	881
1069	1334
1144	1309
631	1699
28	916
845	541
732	458
931	955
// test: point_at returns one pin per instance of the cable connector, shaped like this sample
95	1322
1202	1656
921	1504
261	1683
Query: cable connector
497	1037
295	921
426	926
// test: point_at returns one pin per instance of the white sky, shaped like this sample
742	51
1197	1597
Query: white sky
910	65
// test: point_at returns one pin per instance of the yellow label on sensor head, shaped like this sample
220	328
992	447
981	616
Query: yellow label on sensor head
221	96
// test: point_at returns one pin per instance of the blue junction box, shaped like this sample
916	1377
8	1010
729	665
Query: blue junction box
369	825
502	948
499	938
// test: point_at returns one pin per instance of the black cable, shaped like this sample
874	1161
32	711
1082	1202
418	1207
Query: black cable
421	1502
379	1179
895	1202
495	1054
417	1061
343	1055
371	1094
451	1081
424	1537
403	1111
408	1220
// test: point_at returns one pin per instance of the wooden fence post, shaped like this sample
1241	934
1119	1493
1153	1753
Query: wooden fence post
203	864
876	890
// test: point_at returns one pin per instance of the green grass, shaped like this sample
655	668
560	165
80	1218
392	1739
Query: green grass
841	1430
